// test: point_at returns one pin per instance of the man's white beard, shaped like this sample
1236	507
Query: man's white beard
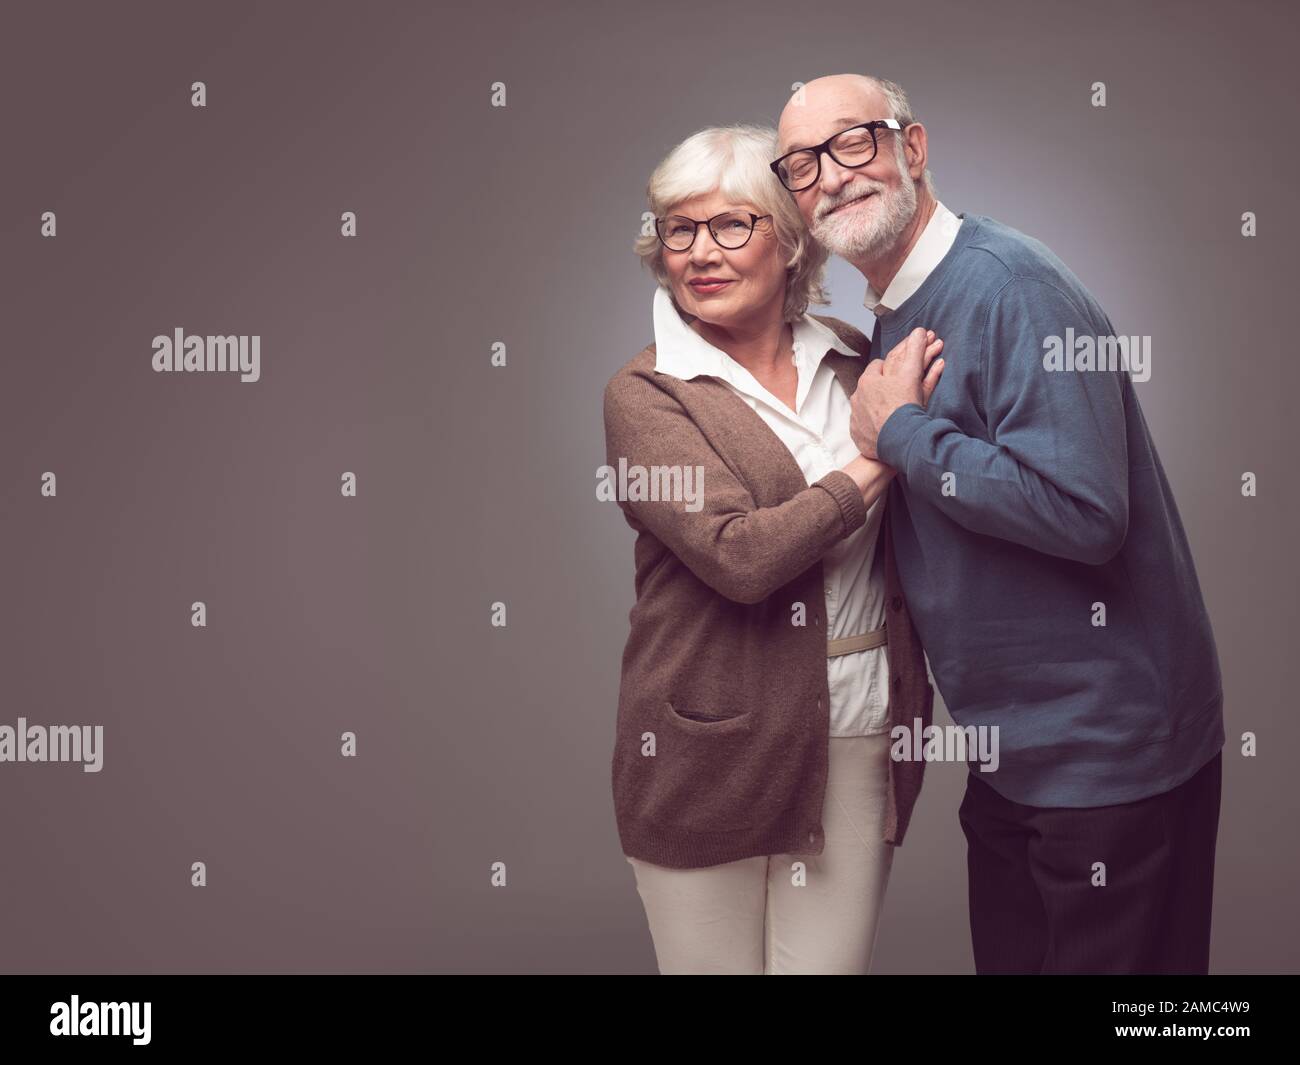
858	234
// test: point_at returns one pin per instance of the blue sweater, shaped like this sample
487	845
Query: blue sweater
1027	496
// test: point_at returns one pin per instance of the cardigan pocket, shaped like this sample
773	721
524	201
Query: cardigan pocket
705	780
706	722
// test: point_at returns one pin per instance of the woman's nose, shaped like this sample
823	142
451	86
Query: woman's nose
705	249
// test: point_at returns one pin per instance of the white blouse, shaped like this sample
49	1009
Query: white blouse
816	433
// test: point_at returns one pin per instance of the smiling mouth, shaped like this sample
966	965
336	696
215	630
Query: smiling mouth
851	203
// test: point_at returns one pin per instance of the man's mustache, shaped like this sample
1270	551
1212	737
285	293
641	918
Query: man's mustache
847	195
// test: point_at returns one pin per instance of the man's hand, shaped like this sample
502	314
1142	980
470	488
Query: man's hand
892	382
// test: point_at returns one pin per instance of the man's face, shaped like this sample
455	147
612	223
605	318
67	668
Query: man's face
857	213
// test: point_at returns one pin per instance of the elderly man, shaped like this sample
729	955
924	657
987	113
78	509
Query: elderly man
1043	558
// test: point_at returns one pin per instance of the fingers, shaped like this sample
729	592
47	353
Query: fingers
911	354
899	350
935	368
932	379
914	353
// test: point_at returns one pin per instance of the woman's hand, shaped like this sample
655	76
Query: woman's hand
895	381
870	474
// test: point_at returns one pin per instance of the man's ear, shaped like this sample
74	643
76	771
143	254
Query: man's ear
917	150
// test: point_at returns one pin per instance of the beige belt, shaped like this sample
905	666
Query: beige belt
850	644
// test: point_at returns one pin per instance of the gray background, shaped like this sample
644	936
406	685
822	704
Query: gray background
477	484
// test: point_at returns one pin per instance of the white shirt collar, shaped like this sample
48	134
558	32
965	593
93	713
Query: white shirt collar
926	254
682	352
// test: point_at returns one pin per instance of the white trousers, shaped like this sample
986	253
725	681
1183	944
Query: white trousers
764	915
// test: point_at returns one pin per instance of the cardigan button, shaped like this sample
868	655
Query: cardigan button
812	837
896	603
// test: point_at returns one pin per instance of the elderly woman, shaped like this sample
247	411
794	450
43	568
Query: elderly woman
770	652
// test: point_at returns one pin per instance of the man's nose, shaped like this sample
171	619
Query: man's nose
834	177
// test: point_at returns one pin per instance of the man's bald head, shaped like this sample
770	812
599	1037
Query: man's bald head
841	100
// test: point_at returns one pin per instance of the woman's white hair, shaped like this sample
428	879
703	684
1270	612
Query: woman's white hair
733	161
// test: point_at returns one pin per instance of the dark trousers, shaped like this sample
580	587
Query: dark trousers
1033	904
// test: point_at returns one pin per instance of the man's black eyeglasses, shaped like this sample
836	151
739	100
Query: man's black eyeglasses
852	147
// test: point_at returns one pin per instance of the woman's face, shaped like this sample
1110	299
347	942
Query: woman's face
726	287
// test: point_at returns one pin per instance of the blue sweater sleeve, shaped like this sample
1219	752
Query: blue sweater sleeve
1053	475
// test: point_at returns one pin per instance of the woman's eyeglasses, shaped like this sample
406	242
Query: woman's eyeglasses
731	229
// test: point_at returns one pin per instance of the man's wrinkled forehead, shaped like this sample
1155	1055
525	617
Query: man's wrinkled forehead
822	110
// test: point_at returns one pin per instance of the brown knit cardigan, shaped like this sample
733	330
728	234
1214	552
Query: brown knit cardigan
722	740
